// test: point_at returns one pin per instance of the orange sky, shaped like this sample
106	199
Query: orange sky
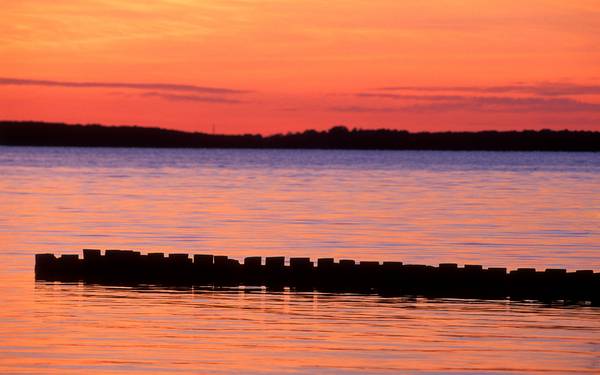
275	66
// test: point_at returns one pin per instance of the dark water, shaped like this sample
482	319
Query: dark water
496	209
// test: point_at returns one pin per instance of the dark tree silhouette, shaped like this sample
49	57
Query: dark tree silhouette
339	137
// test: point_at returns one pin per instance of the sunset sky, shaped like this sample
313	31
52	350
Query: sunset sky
275	66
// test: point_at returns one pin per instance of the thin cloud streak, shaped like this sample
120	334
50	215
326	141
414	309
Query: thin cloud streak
191	98
410	97
122	85
542	89
365	109
483	104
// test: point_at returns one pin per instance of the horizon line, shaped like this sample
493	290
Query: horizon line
325	130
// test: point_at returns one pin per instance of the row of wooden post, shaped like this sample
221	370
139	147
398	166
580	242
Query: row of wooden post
393	278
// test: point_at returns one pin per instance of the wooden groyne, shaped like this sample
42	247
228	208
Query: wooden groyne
390	278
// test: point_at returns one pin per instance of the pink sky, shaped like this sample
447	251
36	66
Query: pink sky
278	66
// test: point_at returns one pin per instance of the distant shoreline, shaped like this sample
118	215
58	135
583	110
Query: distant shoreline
26	133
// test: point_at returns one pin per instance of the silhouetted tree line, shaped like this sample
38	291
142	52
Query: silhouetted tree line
338	137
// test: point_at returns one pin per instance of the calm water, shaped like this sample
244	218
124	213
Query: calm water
496	209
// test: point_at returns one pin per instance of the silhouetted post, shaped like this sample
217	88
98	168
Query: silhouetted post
275	270
390	278
91	254
92	264
180	267
473	283
46	267
447	279
122	266
220	268
553	283
522	283
369	274
69	267
595	289
580	284
203	268
253	270
496	282
234	272
325	263
301	272
156	266
347	275
414	278
326	273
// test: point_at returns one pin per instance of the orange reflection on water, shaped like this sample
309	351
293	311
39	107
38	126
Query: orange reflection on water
512	209
74	328
495	209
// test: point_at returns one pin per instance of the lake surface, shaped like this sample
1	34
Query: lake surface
495	209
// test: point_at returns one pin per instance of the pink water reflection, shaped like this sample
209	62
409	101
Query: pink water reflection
495	209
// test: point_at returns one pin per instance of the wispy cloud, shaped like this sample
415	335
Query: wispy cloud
191	98
541	89
409	97
123	85
482	104
364	109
